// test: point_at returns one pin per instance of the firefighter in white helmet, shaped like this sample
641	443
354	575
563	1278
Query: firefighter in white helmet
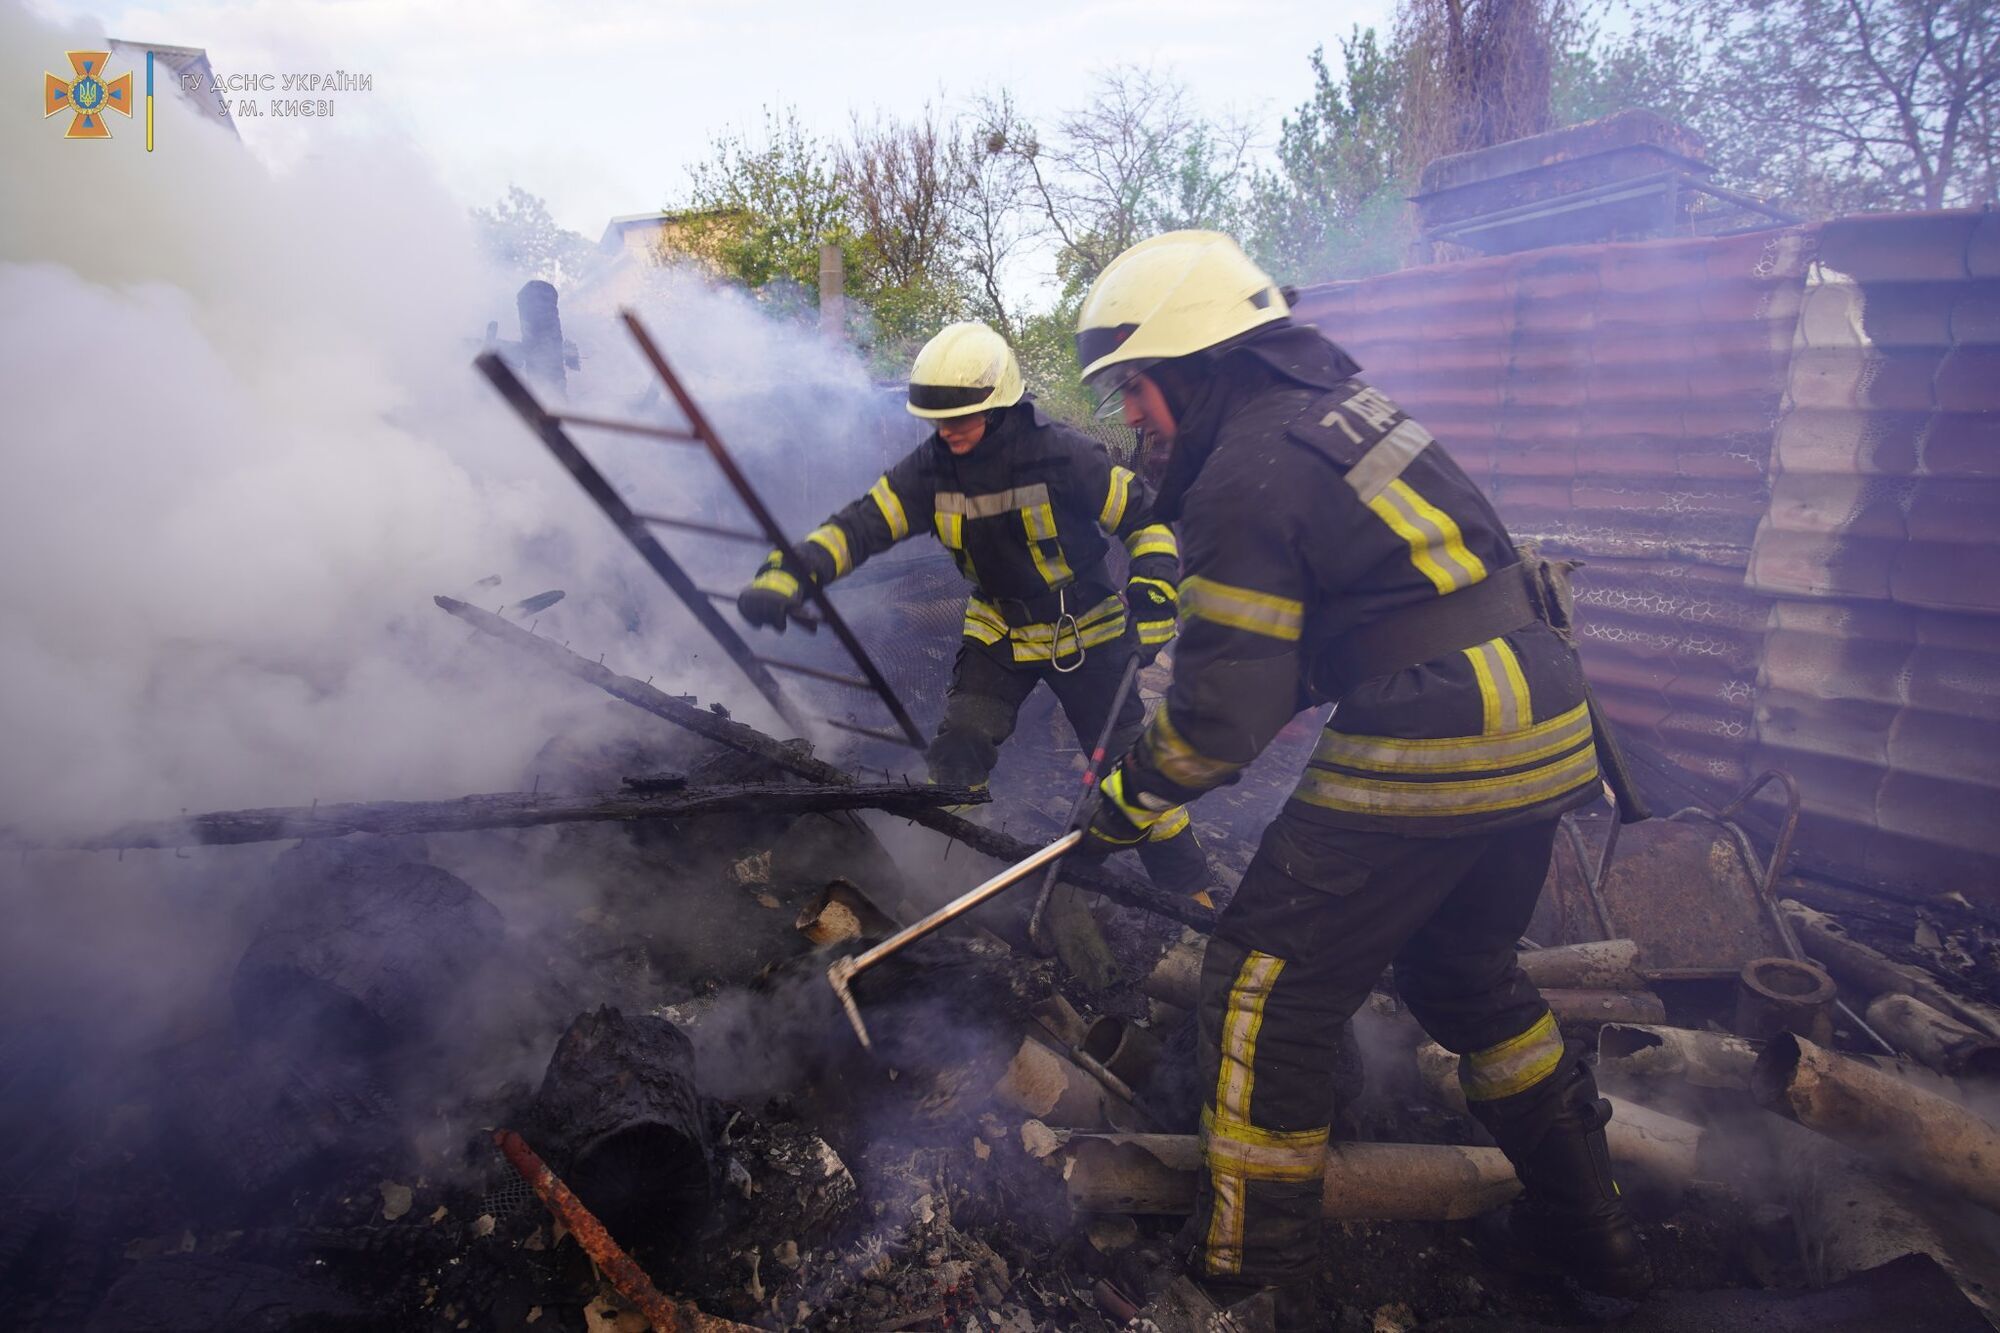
1027	508
1333	552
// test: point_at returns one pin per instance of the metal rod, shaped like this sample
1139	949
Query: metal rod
870	732
619	1268
805	620
831	677
1083	795
844	970
594	484
711	529
625	427
699	424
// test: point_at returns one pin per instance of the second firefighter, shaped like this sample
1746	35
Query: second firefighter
1027	508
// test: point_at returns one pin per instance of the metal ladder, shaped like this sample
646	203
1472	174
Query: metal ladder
550	428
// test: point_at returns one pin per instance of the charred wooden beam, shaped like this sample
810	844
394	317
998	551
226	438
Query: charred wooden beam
1855	965
1598	965
794	758
1657	1148
1155	1174
511	810
1928	1138
1937	1039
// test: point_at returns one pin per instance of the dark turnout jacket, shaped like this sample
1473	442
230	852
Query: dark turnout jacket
1028	516
1309	505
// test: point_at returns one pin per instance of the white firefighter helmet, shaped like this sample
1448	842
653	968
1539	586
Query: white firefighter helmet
1169	296
966	368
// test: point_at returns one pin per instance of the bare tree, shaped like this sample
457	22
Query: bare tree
1896	95
1137	158
1476	72
902	181
993	217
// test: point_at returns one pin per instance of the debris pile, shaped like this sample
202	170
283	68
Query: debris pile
653	1112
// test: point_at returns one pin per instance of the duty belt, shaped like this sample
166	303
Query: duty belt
1530	591
1084	590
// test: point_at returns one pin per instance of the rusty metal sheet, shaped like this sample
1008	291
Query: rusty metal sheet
1779	456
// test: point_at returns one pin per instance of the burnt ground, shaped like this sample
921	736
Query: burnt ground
305	1143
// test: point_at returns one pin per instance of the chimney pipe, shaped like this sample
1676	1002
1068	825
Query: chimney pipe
832	293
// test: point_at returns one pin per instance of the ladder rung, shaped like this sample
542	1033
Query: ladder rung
870	732
708	529
627	427
805	620
832	677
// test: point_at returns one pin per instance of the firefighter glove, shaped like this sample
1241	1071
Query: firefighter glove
772	597
1152	604
1120	822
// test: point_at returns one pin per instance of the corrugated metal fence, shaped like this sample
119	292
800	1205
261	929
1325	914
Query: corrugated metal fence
1779	455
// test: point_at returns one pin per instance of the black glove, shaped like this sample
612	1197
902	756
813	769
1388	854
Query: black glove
1152	605
773	596
1112	826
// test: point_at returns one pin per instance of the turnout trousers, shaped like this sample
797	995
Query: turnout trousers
1321	912
984	702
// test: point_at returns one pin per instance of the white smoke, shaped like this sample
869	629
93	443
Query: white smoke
243	449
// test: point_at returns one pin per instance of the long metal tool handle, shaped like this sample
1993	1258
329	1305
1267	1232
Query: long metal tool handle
552	435
958	907
740	483
1083	795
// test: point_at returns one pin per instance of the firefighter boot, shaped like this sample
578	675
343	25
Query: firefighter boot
1569	1218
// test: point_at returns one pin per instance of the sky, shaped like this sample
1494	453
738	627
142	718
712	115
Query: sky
601	108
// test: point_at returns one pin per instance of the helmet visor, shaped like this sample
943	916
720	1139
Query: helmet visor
1110	383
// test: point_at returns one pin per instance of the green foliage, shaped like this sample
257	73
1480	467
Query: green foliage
519	234
764	209
1333	206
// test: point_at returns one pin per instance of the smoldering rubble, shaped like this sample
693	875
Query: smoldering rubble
427	1100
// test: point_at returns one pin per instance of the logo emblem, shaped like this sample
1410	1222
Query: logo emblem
87	96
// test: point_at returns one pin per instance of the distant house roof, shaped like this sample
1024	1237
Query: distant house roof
179	60
620	231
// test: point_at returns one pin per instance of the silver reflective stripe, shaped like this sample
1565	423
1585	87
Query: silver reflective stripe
1386	461
999	502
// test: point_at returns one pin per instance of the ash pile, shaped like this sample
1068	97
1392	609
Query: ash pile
426	1102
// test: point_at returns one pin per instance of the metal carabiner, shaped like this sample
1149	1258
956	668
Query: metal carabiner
1055	642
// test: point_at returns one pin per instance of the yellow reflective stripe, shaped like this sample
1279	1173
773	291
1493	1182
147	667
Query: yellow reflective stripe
1264	1154
1514	1065
777	581
1116	496
1517	684
950	529
1140	817
1498	713
1040	521
830	538
1437	547
891	505
1172	824
1242	1019
1503	691
1168	590
1155	631
1177	761
1157	539
1222	1248
1338	791
1393	754
1246	609
1087	636
983	622
1110	611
